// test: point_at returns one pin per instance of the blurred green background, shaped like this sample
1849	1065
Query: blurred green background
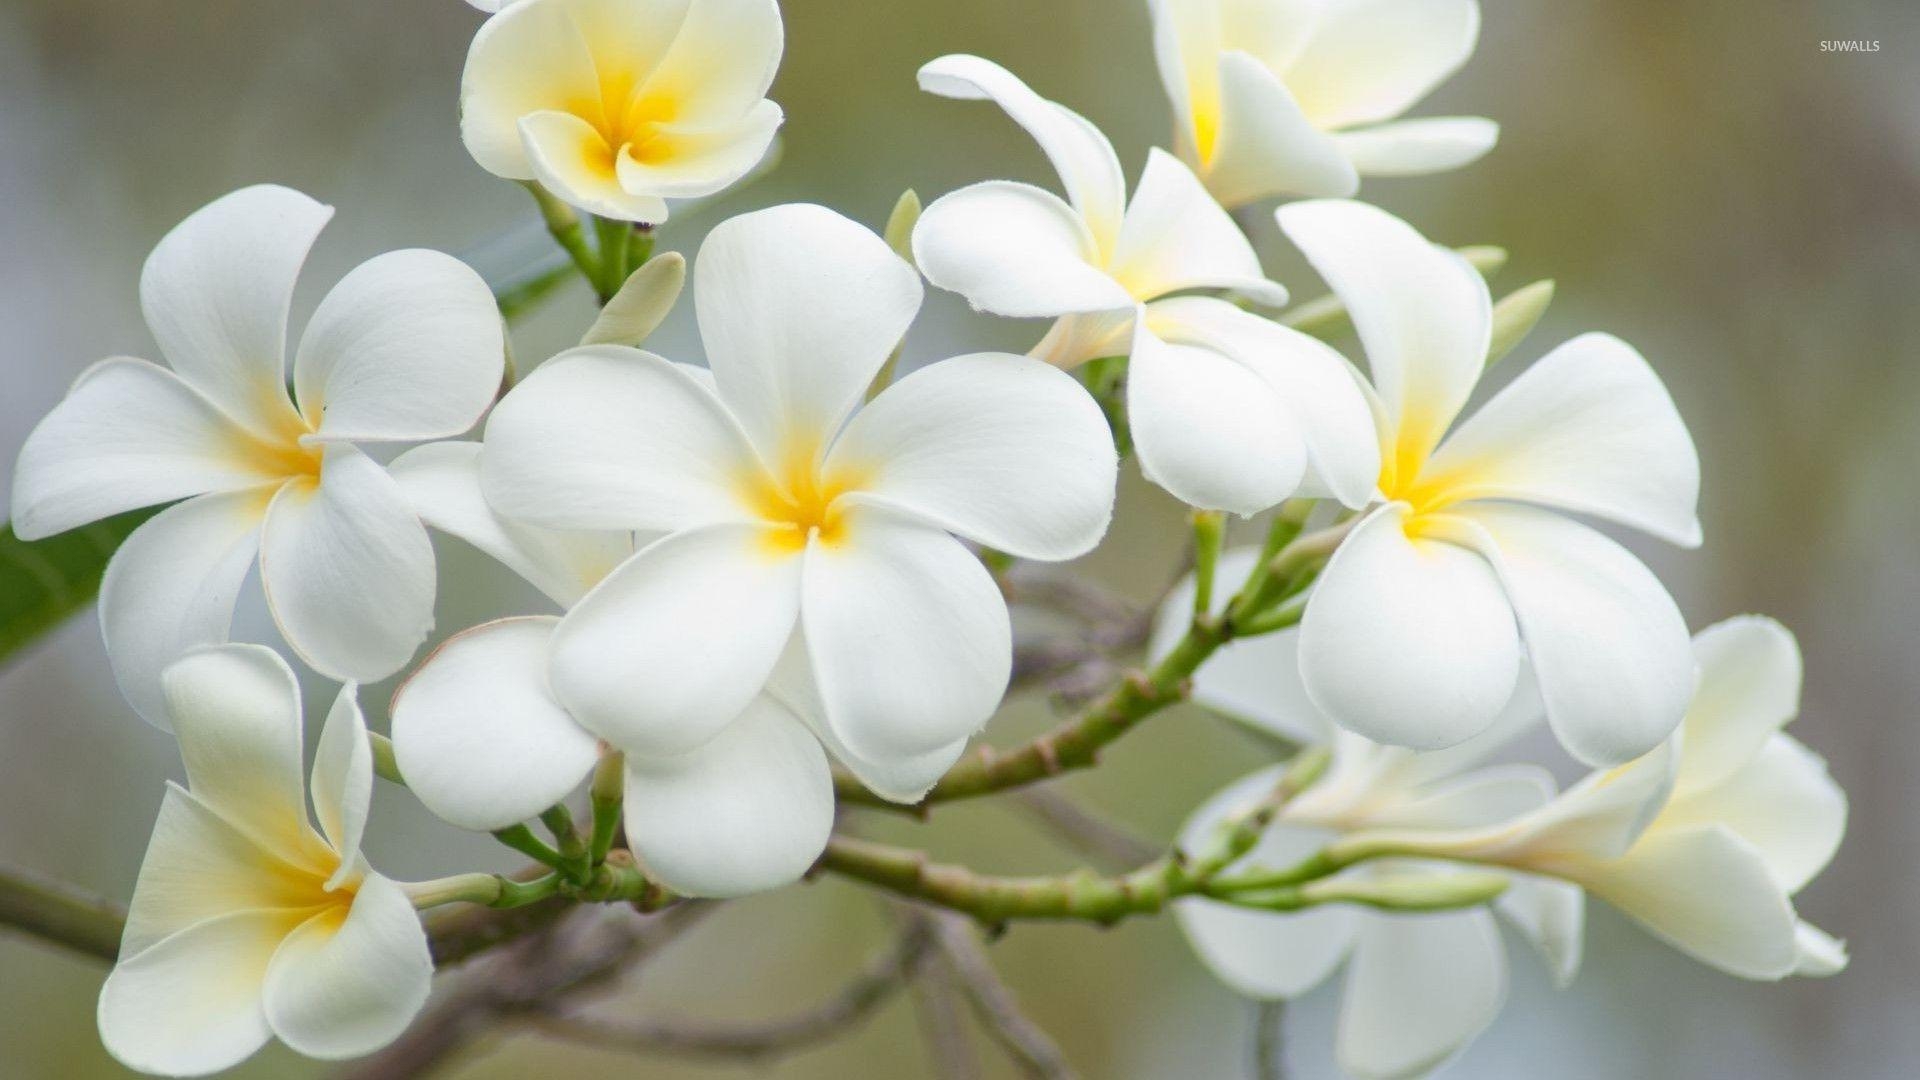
1699	177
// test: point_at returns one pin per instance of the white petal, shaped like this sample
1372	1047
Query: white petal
571	158
1418	147
686	162
1589	429
1004	450
749	811
1484	797
1420	988
171	587
901	779
190	1005
605	437
1422	311
1315	383
236	712
909	636
1749	688
216	291
1708	893
1176	237
1821	954
1263	954
1264	145
1209	430
1408	641
128	434
348	569
342	784
1014	250
407	346
1370	60
1081	155
722	60
1522	713
532	58
1597	819
442	481
479	735
1782	802
670	647
798	309
1073	340
1607	643
340	989
1552	916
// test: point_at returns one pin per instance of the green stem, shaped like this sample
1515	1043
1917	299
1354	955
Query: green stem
614	237
521	839
567	231
572	846
517	298
606	794
385	765
1209	532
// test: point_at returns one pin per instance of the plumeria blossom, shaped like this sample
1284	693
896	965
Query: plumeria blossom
1415	631
789	519
1300	97
408	346
1705	840
1229	411
1419	987
247	923
616	106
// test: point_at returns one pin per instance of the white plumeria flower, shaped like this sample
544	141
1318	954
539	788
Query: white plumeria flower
1419	987
616	106
1299	97
1705	840
408	346
1413	634
246	923
787	514
1229	411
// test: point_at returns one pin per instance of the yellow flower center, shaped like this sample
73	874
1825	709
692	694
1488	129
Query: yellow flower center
800	499
630	121
280	454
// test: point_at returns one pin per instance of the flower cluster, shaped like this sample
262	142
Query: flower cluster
785	557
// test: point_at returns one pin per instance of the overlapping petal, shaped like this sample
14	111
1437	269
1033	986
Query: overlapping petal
1014	250
1749	688
571	157
532	58
1264	144
1370	60
1417	147
341	987
342	783
1419	989
1175	237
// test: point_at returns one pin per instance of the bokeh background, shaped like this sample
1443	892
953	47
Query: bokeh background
1699	177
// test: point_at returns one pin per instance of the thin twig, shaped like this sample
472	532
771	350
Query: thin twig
936	999
1085	832
60	913
1269	1041
994	1004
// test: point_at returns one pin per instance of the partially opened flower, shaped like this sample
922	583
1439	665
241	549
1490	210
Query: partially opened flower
788	512
406	347
1300	97
616	106
1229	411
1705	840
1415	632
248	924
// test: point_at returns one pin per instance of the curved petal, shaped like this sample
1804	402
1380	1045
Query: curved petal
1315	383
606	437
129	434
798	308
660	656
1606	642
1408	640
909	636
902	779
683	161
1422	312
572	159
1418	147
1588	429
342	783
1012	249
1265	145
748	811
479	735
1749	688
1420	988
1821	954
1004	450
216	291
1487	796
1782	802
1209	430
1082	156
171	587
348	569
349	980
442	481
1552	916
407	346
1073	340
1176	237
190	1005
1596	820
531	58
236	712
721	61
1708	893
1371	60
